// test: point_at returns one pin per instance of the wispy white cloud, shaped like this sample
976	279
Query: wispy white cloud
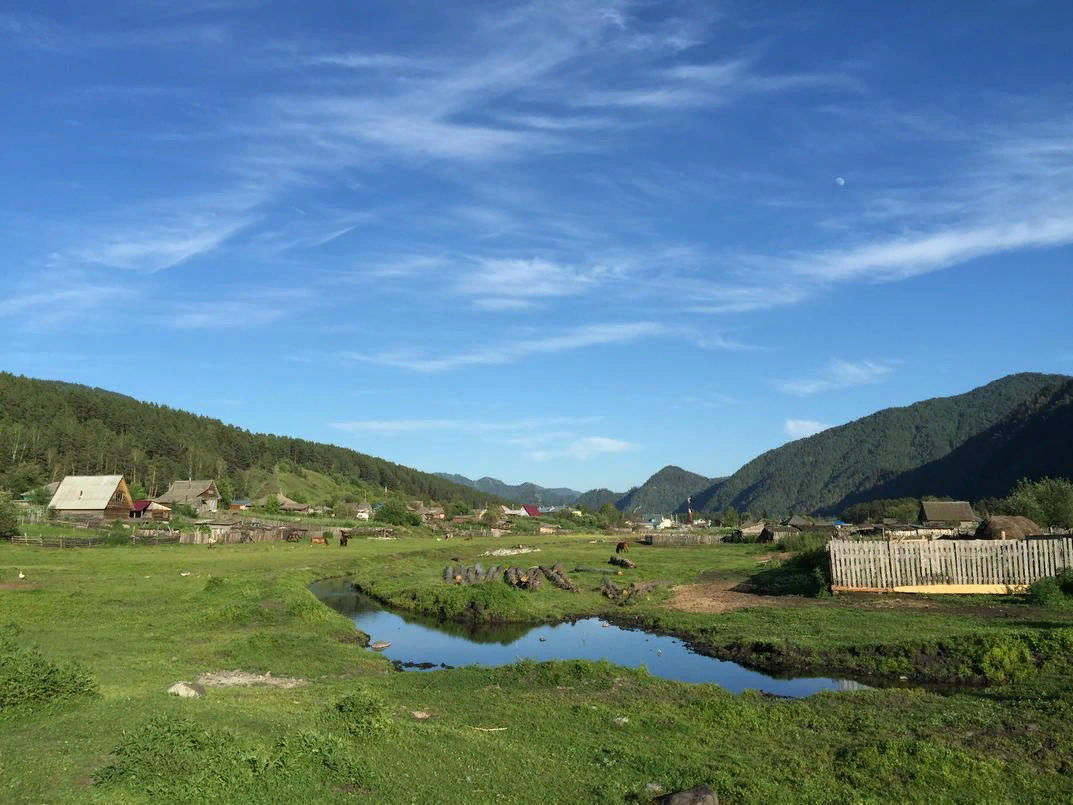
252	310
513	351
839	374
159	247
800	428
56	298
369	61
584	448
503	284
909	256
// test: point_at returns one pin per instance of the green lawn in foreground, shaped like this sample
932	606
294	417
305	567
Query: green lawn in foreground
139	625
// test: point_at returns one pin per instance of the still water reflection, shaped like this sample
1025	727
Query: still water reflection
420	640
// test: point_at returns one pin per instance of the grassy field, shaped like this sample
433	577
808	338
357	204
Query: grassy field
91	639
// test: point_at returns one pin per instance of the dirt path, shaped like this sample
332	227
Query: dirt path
718	596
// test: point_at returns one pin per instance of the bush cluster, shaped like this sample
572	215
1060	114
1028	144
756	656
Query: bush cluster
1053	592
28	678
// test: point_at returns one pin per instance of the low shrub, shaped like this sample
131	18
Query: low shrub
805	573
801	543
173	760
1053	592
28	678
362	712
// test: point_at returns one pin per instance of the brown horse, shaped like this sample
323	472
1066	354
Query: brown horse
318	541
622	547
343	539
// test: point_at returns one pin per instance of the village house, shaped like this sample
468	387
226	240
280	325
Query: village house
201	496
293	506
956	514
520	512
532	511
92	498
241	504
363	511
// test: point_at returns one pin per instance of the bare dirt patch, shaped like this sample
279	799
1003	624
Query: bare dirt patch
226	679
717	596
18	585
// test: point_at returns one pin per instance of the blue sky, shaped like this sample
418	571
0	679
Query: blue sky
567	242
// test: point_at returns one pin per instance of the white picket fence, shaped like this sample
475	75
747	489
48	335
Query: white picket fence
962	565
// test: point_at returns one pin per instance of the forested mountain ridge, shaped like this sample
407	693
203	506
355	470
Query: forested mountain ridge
595	498
518	493
1034	441
864	459
666	491
49	429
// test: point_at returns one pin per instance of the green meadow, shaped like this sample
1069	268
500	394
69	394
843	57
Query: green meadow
91	639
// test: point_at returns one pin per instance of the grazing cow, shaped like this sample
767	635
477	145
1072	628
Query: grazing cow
622	547
319	541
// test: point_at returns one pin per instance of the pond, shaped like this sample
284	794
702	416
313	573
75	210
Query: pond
429	643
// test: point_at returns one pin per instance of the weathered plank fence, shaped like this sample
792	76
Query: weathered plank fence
58	542
682	538
946	566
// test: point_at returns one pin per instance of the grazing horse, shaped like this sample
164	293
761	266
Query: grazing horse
622	547
343	539
319	541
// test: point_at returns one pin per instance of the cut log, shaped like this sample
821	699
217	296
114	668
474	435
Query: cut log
621	561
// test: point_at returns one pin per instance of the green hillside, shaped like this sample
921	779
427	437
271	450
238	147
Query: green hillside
883	455
663	493
595	498
518	493
50	429
1034	441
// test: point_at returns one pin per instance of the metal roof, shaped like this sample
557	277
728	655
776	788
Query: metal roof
92	492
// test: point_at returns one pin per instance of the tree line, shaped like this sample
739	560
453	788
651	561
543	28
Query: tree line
50	429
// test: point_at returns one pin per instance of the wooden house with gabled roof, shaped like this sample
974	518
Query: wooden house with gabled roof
201	496
92	498
949	513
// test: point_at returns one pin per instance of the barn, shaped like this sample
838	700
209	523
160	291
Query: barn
92	498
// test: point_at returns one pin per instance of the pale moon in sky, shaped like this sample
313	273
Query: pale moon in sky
839	181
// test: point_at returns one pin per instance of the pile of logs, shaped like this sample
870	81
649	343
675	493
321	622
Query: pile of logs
471	574
621	561
522	578
557	576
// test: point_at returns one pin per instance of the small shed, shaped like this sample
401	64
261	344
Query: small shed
92	497
799	521
1007	527
150	510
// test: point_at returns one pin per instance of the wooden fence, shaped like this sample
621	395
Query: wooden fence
58	542
946	566
682	538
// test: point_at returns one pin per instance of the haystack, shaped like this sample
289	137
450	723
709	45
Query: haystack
1007	527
